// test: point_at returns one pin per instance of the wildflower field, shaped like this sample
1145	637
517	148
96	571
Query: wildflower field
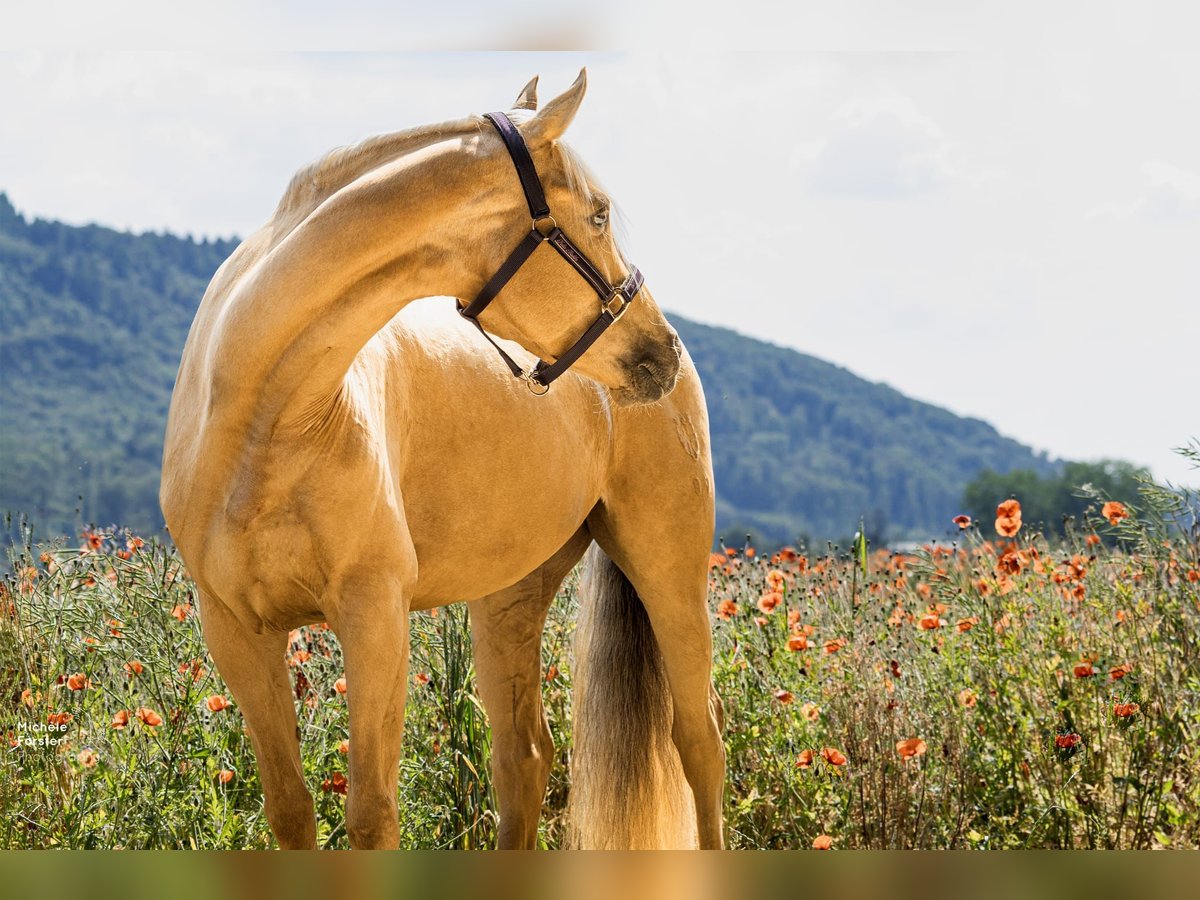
996	691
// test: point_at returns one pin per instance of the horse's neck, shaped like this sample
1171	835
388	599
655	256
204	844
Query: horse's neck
286	323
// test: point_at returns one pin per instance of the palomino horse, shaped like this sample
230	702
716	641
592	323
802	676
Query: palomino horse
332	457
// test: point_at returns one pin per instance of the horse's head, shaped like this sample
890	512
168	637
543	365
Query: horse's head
548	305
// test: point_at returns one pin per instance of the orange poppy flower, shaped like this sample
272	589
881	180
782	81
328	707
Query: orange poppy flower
133	667
225	776
716	560
335	784
121	719
788	554
1084	669
834	645
77	682
181	610
1013	562
299	658
962	626
929	622
805	759
1092	540
344	747
217	702
1125	710
1008	518
797	642
59	718
911	748
87	758
422	678
967	698
1193	575
822	842
768	602
811	711
149	717
784	697
750	551
1116	673
833	757
727	609
1067	741
340	685
962	521
1114	511
775	580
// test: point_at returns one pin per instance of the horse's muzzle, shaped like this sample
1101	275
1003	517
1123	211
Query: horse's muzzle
650	372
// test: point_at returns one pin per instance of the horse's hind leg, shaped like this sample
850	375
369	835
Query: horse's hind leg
506	630
254	668
656	525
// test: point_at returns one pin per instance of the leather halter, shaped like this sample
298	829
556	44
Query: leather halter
614	299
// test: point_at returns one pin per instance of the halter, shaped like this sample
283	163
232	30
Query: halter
614	300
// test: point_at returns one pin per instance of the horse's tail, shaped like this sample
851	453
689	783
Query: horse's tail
628	790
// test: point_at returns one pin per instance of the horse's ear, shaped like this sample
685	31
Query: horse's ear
552	121
528	96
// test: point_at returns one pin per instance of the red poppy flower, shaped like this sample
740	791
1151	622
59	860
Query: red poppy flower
833	757
1114	511
911	748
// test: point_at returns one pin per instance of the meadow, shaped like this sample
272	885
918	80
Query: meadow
997	690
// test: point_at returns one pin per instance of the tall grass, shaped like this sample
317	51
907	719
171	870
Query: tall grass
984	693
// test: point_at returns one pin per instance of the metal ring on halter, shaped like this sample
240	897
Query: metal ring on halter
530	381
617	294
553	225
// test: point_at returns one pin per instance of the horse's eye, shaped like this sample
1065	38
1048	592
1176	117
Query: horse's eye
600	217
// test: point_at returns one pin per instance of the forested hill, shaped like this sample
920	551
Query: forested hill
92	322
804	446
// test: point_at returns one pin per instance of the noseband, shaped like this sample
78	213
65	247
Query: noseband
614	299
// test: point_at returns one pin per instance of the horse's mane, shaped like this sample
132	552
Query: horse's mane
319	180
314	183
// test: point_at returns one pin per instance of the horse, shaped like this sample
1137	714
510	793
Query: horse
334	454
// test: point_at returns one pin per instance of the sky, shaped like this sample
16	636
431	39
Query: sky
1012	235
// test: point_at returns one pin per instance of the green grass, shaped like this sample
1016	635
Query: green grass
995	706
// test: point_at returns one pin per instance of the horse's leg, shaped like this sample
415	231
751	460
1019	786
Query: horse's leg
660	536
372	627
255	671
506	631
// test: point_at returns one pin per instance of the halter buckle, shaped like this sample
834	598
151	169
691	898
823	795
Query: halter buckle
533	384
617	296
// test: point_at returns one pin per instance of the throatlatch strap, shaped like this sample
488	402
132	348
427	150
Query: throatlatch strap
506	271
508	360
532	185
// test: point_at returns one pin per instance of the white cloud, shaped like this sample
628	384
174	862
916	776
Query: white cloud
1169	194
881	148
